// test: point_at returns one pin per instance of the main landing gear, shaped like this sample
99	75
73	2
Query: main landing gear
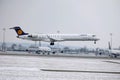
52	43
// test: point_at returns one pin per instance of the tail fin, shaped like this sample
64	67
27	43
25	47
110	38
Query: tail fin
109	45
19	31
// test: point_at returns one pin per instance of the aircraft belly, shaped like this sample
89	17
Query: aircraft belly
46	40
78	39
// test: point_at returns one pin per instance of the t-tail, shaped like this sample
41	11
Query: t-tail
19	31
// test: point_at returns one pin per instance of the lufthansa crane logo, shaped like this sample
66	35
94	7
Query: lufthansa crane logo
19	32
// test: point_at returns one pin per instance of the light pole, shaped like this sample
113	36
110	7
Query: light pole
4	45
58	32
111	39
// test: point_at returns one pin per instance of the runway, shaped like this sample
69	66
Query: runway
34	67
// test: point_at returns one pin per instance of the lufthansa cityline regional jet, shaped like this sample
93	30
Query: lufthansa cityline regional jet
54	37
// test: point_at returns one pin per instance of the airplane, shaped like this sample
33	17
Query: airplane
112	52
39	50
54	37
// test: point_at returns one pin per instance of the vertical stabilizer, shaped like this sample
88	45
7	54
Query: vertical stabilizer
19	31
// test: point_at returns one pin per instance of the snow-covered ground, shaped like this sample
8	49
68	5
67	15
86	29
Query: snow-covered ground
15	67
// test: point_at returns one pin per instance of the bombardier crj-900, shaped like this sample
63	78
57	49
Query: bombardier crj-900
54	37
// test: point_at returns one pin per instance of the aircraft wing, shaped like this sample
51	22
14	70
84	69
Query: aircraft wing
53	39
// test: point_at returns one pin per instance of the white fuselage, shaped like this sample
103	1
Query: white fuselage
39	49
59	37
114	51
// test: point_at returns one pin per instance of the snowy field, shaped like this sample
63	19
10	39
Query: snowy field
15	67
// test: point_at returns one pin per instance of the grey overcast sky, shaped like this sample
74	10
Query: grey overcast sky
100	17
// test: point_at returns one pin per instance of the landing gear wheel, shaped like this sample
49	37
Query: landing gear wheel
52	43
